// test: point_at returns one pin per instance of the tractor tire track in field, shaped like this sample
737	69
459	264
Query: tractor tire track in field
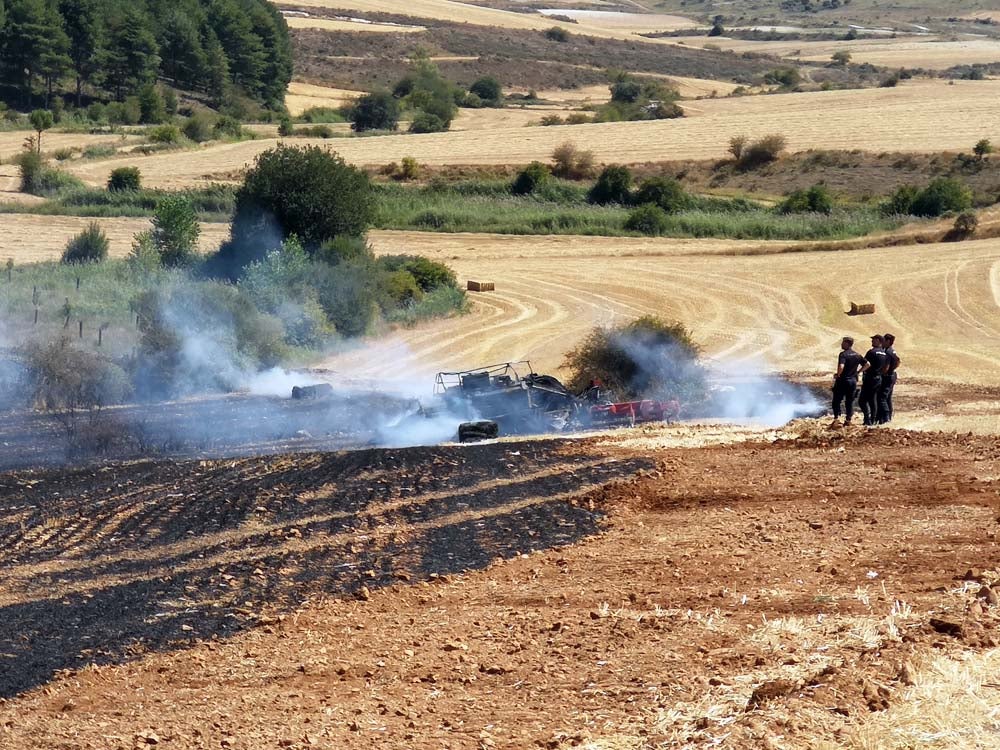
785	311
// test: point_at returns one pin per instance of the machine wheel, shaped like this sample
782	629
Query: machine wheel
472	432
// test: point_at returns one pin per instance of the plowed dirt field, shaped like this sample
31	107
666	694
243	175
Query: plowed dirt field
550	594
906	118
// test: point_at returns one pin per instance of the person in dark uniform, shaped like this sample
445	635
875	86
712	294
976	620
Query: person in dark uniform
871	383
888	378
845	380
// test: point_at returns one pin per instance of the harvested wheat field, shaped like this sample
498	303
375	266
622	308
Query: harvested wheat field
349	24
563	593
688	88
30	238
905	118
302	96
931	52
447	10
779	311
12	141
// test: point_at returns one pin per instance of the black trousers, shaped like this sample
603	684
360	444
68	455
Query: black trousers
885	398
870	399
843	390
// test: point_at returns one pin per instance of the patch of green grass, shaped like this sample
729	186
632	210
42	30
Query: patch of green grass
561	208
213	203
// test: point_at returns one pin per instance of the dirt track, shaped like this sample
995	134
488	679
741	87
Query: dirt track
756	595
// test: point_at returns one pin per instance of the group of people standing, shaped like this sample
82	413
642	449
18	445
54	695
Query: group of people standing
878	379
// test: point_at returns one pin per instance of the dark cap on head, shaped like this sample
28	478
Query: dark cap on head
847	340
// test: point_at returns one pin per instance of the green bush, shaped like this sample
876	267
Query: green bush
816	199
614	185
429	274
164	134
30	165
99	151
308	192
649	219
409	169
663	192
315	115
151	108
557	34
90	246
37	178
285	127
228	127
530	179
315	131
647	358
200	127
425	122
488	89
176	231
344	249
400	289
900	203
940	196
125	178
378	110
442	301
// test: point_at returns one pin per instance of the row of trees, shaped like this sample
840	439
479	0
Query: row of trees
116	47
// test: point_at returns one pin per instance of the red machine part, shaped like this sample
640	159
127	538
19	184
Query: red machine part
636	411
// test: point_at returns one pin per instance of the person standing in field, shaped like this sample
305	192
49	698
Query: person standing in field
871	384
845	380
888	378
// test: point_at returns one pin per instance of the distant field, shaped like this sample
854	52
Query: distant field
303	96
12	142
446	10
332	24
28	238
782	311
935	53
910	117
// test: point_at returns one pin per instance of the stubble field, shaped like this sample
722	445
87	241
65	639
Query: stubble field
615	27
906	118
930	52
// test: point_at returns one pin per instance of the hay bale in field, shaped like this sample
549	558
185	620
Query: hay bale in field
480	286
867	308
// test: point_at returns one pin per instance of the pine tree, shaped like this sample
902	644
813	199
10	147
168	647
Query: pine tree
25	39
217	67
132	55
81	21
55	61
184	60
244	49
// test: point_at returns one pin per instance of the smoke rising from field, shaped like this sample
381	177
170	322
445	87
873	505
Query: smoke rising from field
729	390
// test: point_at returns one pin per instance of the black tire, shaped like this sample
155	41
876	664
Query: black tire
473	432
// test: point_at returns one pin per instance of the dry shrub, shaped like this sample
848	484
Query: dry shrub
570	163
762	151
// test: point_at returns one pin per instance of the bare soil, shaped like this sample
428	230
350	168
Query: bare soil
521	594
